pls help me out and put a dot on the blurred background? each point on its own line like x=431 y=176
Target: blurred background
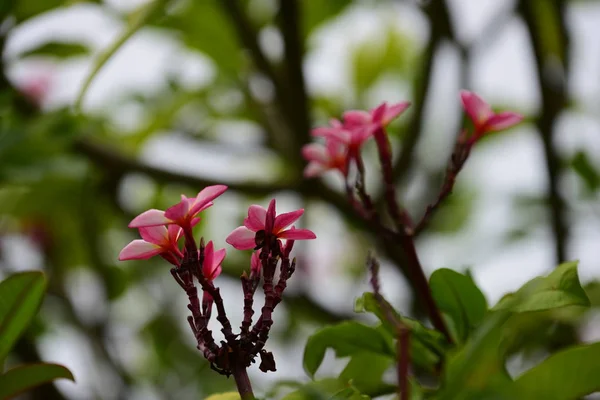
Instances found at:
x=200 y=92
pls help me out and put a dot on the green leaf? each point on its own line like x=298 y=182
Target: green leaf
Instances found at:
x=561 y=288
x=427 y=345
x=58 y=49
x=315 y=13
x=368 y=380
x=586 y=170
x=224 y=396
x=317 y=390
x=460 y=299
x=569 y=374
x=347 y=338
x=477 y=368
x=26 y=377
x=20 y=297
x=349 y=393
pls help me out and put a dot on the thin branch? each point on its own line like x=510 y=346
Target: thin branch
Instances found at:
x=552 y=78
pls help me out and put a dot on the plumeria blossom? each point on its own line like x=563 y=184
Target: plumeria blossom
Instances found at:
x=255 y=263
x=321 y=158
x=484 y=119
x=211 y=268
x=260 y=221
x=183 y=213
x=156 y=240
x=359 y=126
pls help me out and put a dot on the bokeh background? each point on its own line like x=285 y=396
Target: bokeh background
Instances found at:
x=224 y=91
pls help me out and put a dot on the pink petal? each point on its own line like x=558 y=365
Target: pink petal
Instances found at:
x=393 y=111
x=139 y=250
x=378 y=113
x=150 y=218
x=314 y=169
x=214 y=273
x=179 y=211
x=242 y=238
x=174 y=232
x=255 y=262
x=286 y=219
x=297 y=234
x=207 y=264
x=355 y=118
x=338 y=134
x=315 y=152
x=256 y=218
x=218 y=258
x=478 y=110
x=207 y=195
x=155 y=234
x=270 y=218
x=502 y=121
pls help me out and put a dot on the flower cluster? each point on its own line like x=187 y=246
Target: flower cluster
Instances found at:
x=272 y=237
x=344 y=139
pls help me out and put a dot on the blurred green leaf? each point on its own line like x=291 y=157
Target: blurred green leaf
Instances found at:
x=460 y=299
x=561 y=288
x=426 y=344
x=25 y=9
x=568 y=374
x=58 y=50
x=477 y=369
x=454 y=212
x=20 y=297
x=26 y=377
x=586 y=171
x=371 y=59
x=368 y=380
x=315 y=13
x=318 y=390
x=224 y=396
x=349 y=393
x=346 y=339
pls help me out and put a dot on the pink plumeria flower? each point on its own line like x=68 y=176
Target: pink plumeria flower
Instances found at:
x=484 y=119
x=260 y=220
x=211 y=269
x=359 y=126
x=322 y=158
x=255 y=263
x=156 y=240
x=183 y=213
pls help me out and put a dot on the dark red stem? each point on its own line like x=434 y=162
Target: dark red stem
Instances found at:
x=244 y=387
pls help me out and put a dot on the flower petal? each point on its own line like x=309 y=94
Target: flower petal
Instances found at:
x=218 y=258
x=393 y=111
x=241 y=238
x=338 y=134
x=355 y=118
x=503 y=120
x=297 y=234
x=207 y=195
x=207 y=264
x=314 y=169
x=174 y=232
x=315 y=152
x=286 y=219
x=155 y=234
x=256 y=218
x=139 y=250
x=476 y=108
x=270 y=218
x=255 y=262
x=151 y=217
x=179 y=211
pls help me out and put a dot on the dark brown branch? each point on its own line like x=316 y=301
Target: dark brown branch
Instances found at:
x=552 y=78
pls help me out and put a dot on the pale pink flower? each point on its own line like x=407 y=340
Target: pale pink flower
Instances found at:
x=484 y=119
x=359 y=126
x=211 y=267
x=322 y=158
x=261 y=220
x=255 y=263
x=183 y=213
x=156 y=240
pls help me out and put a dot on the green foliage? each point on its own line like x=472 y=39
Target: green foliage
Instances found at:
x=20 y=297
x=23 y=378
x=586 y=171
x=427 y=345
x=567 y=374
x=346 y=339
x=59 y=50
x=459 y=299
x=224 y=396
x=314 y=13
x=561 y=288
